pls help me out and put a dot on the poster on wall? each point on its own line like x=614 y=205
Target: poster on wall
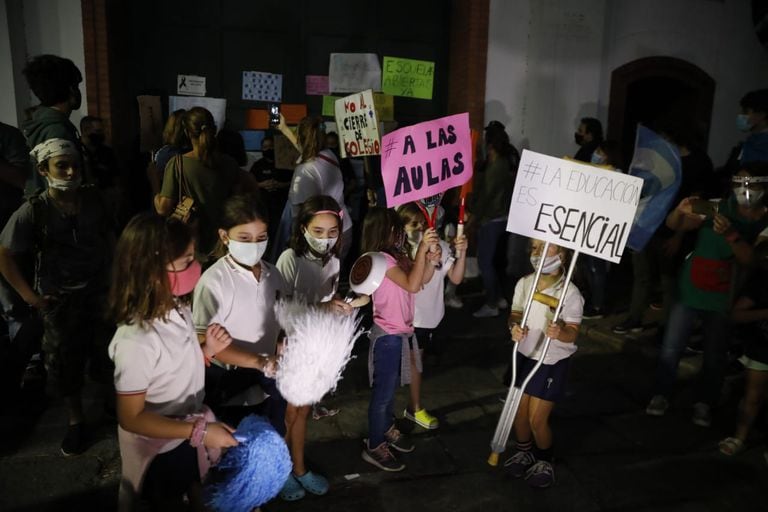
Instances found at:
x=190 y=85
x=574 y=205
x=150 y=123
x=258 y=86
x=216 y=106
x=358 y=126
x=385 y=106
x=329 y=105
x=354 y=72
x=426 y=159
x=317 y=85
x=408 y=77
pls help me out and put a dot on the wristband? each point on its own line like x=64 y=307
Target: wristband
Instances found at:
x=199 y=429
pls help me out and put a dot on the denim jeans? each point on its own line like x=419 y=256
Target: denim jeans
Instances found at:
x=679 y=326
x=387 y=356
x=488 y=238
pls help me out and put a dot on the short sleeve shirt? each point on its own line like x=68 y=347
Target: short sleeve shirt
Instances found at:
x=319 y=177
x=540 y=316
x=430 y=304
x=162 y=359
x=306 y=277
x=392 y=305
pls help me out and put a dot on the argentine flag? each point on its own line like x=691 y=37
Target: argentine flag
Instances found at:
x=657 y=162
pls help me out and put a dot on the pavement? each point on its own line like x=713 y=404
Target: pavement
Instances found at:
x=610 y=456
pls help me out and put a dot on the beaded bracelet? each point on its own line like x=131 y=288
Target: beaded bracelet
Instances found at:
x=199 y=429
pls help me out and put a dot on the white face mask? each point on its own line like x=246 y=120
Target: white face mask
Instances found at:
x=747 y=197
x=64 y=185
x=247 y=253
x=320 y=245
x=551 y=263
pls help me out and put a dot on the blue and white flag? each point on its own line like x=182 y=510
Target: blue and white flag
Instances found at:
x=657 y=162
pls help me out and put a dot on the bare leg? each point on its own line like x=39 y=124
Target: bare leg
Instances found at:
x=74 y=408
x=522 y=425
x=298 y=434
x=538 y=419
x=754 y=396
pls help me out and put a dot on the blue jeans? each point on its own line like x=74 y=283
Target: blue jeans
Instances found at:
x=679 y=326
x=387 y=355
x=488 y=238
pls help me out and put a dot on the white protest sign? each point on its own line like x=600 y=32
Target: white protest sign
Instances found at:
x=216 y=106
x=574 y=205
x=352 y=72
x=190 y=85
x=358 y=126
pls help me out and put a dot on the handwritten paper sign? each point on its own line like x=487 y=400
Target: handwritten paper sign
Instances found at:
x=358 y=126
x=425 y=159
x=190 y=85
x=317 y=85
x=216 y=106
x=260 y=86
x=353 y=72
x=329 y=105
x=574 y=205
x=385 y=106
x=150 y=123
x=408 y=77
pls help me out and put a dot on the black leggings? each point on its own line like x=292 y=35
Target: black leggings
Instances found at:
x=170 y=475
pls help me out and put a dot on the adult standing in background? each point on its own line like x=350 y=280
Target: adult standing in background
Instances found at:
x=175 y=142
x=589 y=135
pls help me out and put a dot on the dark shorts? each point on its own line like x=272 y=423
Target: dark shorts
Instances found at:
x=426 y=339
x=548 y=383
x=170 y=474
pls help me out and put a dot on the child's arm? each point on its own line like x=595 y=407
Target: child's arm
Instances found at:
x=456 y=274
x=10 y=271
x=565 y=332
x=413 y=281
x=744 y=314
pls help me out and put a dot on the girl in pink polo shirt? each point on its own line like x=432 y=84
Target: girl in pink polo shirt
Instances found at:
x=392 y=330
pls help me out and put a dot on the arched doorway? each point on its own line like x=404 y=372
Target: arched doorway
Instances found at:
x=657 y=90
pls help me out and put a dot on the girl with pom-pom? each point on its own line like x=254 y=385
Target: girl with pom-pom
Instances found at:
x=392 y=331
x=168 y=438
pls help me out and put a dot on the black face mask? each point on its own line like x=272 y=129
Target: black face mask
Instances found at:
x=97 y=139
x=269 y=154
x=578 y=138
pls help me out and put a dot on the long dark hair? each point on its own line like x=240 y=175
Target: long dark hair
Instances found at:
x=308 y=210
x=382 y=229
x=310 y=137
x=238 y=210
x=200 y=126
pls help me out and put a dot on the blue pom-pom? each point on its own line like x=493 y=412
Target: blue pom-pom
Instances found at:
x=253 y=472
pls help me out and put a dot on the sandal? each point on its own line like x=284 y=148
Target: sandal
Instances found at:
x=314 y=483
x=731 y=446
x=292 y=490
x=320 y=411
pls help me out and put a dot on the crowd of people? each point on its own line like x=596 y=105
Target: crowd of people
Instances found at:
x=172 y=310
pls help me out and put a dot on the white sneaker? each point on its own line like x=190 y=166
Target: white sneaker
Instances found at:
x=658 y=406
x=453 y=302
x=486 y=312
x=702 y=414
x=502 y=303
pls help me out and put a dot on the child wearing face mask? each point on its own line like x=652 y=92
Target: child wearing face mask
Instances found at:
x=67 y=229
x=168 y=438
x=239 y=292
x=533 y=458
x=429 y=305
x=310 y=269
x=723 y=240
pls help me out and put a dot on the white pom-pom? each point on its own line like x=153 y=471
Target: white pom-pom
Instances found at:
x=318 y=347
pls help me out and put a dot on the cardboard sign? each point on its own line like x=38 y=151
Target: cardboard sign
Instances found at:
x=358 y=126
x=353 y=72
x=408 y=77
x=285 y=153
x=425 y=159
x=216 y=106
x=150 y=123
x=329 y=105
x=293 y=114
x=385 y=106
x=260 y=86
x=190 y=85
x=574 y=205
x=317 y=85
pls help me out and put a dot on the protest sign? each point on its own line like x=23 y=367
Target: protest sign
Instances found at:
x=216 y=106
x=573 y=205
x=358 y=126
x=425 y=159
x=353 y=72
x=190 y=85
x=317 y=85
x=286 y=154
x=329 y=105
x=150 y=123
x=408 y=77
x=260 y=86
x=385 y=106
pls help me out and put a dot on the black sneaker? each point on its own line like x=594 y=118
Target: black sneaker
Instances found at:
x=627 y=326
x=382 y=457
x=74 y=441
x=398 y=440
x=591 y=313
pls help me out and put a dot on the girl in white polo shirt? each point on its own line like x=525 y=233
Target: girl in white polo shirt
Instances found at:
x=164 y=428
x=310 y=269
x=548 y=384
x=239 y=291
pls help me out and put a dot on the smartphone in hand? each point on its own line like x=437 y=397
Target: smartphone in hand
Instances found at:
x=274 y=114
x=704 y=207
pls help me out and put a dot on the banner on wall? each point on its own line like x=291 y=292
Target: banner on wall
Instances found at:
x=358 y=126
x=353 y=72
x=426 y=159
x=408 y=77
x=574 y=205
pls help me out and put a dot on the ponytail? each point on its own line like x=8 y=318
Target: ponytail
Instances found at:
x=207 y=145
x=310 y=135
x=200 y=126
